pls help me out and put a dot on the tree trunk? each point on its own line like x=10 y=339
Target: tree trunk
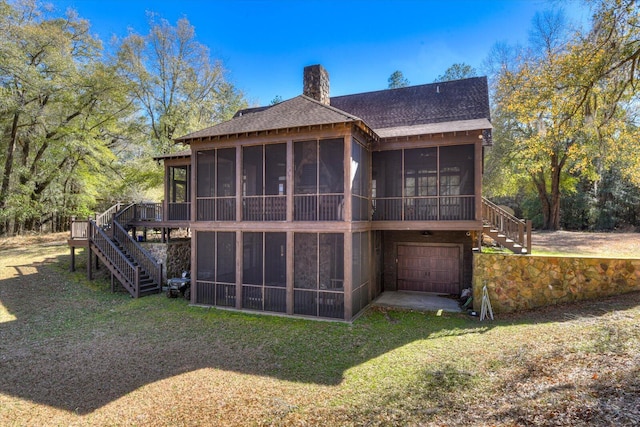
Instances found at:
x=554 y=217
x=545 y=204
x=8 y=167
x=550 y=199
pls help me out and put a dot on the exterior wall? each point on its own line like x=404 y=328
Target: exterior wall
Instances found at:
x=517 y=282
x=178 y=257
x=382 y=244
x=175 y=256
x=390 y=239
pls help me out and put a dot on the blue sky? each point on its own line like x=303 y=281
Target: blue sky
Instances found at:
x=265 y=44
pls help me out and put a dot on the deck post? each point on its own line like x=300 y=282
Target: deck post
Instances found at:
x=521 y=231
x=89 y=260
x=73 y=259
x=290 y=272
x=137 y=282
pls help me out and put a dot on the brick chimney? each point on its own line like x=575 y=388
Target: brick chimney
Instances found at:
x=316 y=83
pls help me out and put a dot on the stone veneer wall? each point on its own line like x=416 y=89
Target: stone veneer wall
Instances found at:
x=175 y=256
x=516 y=282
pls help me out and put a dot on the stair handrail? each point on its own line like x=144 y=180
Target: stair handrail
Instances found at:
x=104 y=218
x=126 y=214
x=514 y=228
x=79 y=226
x=127 y=273
x=137 y=252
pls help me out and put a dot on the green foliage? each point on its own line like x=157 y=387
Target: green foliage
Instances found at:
x=564 y=108
x=78 y=129
x=276 y=100
x=175 y=83
x=397 y=80
x=456 y=72
x=60 y=106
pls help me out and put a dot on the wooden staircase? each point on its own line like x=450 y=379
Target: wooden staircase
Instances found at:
x=128 y=262
x=508 y=231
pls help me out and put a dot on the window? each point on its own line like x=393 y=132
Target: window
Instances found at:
x=179 y=193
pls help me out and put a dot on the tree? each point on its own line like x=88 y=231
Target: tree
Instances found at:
x=397 y=80
x=175 y=83
x=456 y=72
x=276 y=100
x=566 y=104
x=58 y=104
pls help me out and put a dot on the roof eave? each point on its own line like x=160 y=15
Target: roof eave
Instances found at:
x=296 y=129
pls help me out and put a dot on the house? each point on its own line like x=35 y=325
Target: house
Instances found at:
x=315 y=205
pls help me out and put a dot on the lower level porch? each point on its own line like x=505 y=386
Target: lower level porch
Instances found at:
x=419 y=301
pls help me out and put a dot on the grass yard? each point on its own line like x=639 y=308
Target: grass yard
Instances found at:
x=74 y=354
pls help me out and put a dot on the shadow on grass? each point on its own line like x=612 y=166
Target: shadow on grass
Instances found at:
x=76 y=346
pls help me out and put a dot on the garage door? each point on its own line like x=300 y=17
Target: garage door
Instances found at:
x=429 y=269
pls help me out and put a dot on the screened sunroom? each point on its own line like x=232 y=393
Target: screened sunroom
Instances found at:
x=272 y=254
x=425 y=184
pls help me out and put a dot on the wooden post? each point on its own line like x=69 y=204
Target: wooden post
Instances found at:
x=521 y=232
x=89 y=260
x=137 y=282
x=290 y=186
x=239 y=269
x=194 y=268
x=73 y=249
x=348 y=275
x=290 y=271
x=238 y=199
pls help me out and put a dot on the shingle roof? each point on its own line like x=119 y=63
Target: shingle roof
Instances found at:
x=414 y=110
x=176 y=155
x=296 y=112
x=456 y=100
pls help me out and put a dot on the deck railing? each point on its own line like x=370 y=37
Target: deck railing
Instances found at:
x=178 y=211
x=216 y=208
x=318 y=207
x=264 y=208
x=79 y=229
x=139 y=212
x=512 y=227
x=104 y=219
x=431 y=208
x=127 y=273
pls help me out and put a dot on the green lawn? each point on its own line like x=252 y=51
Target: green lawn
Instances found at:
x=73 y=353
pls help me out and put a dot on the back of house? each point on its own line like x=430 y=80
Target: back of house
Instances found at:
x=316 y=205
